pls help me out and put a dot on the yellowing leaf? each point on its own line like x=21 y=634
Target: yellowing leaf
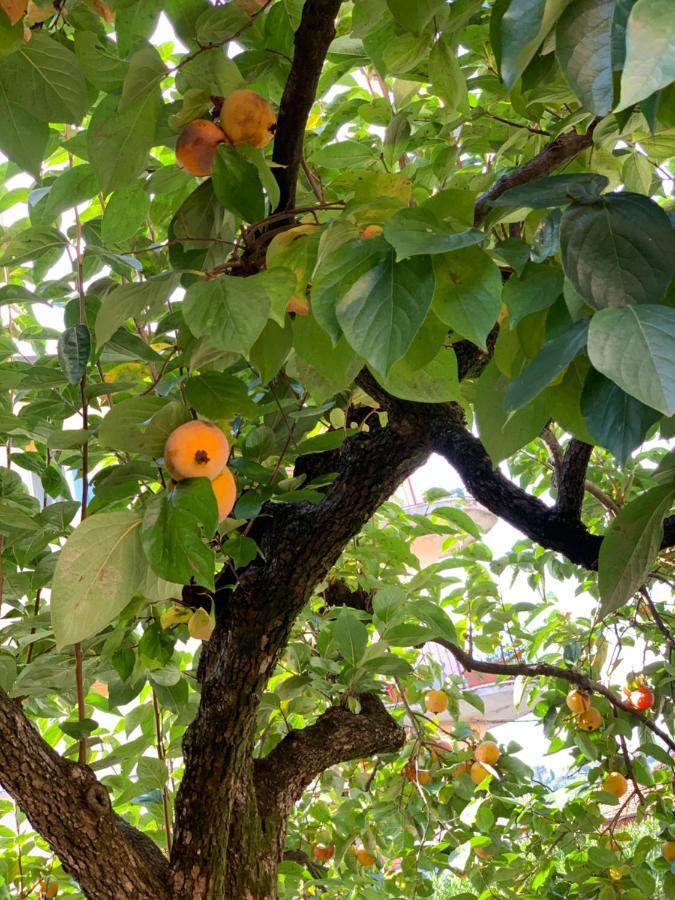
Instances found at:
x=201 y=625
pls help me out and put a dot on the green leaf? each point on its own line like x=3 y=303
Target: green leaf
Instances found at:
x=344 y=155
x=650 y=60
x=219 y=396
x=584 y=49
x=200 y=215
x=418 y=232
x=45 y=78
x=414 y=15
x=122 y=429
x=11 y=35
x=615 y=420
x=135 y=22
x=501 y=432
x=467 y=295
x=270 y=351
x=633 y=347
x=118 y=140
x=554 y=190
x=447 y=79
x=630 y=545
x=523 y=27
x=127 y=301
x=97 y=572
x=435 y=382
x=237 y=184
x=174 y=525
x=23 y=138
x=99 y=61
x=74 y=348
x=537 y=288
x=339 y=365
x=378 y=304
x=217 y=25
x=430 y=614
x=232 y=312
x=619 y=251
x=30 y=244
x=125 y=214
x=553 y=358
x=350 y=636
x=146 y=71
x=70 y=188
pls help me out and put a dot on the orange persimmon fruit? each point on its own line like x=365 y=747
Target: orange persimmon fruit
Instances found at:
x=196 y=449
x=197 y=144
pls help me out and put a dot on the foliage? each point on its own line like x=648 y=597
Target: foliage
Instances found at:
x=135 y=296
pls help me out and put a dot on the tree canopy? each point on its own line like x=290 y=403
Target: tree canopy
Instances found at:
x=455 y=239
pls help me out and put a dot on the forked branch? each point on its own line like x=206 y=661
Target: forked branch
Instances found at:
x=337 y=735
x=67 y=805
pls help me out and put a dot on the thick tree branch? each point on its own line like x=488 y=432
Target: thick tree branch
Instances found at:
x=337 y=735
x=550 y=671
x=572 y=480
x=559 y=151
x=71 y=809
x=312 y=39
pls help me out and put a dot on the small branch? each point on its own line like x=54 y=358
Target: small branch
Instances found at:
x=312 y=39
x=559 y=151
x=81 y=711
x=337 y=735
x=550 y=671
x=629 y=768
x=531 y=128
x=315 y=869
x=555 y=452
x=658 y=620
x=159 y=739
x=572 y=480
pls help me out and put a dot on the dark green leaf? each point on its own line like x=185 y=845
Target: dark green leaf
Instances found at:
x=417 y=232
x=633 y=347
x=619 y=251
x=118 y=141
x=584 y=49
x=232 y=312
x=173 y=531
x=650 y=61
x=553 y=358
x=219 y=396
x=237 y=184
x=551 y=191
x=630 y=545
x=615 y=420
x=45 y=78
x=537 y=288
x=74 y=348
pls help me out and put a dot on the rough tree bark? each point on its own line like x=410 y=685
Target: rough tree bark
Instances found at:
x=231 y=809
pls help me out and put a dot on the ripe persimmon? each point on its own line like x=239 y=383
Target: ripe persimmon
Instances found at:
x=487 y=752
x=225 y=489
x=615 y=783
x=247 y=118
x=578 y=701
x=364 y=858
x=478 y=773
x=298 y=305
x=590 y=719
x=668 y=851
x=370 y=232
x=436 y=701
x=197 y=144
x=323 y=852
x=196 y=449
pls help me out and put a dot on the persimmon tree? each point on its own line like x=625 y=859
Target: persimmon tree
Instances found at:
x=457 y=243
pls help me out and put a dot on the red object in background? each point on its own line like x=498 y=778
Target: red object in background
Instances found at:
x=476 y=679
